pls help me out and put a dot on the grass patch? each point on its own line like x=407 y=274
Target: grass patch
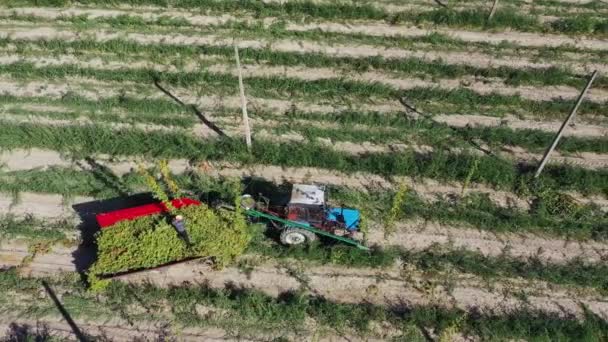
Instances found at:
x=582 y=24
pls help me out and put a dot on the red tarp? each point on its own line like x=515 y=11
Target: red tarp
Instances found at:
x=108 y=219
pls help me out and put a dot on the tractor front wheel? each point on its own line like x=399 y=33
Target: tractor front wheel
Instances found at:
x=297 y=236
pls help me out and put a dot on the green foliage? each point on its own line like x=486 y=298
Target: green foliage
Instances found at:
x=151 y=241
x=586 y=24
x=396 y=208
x=33 y=229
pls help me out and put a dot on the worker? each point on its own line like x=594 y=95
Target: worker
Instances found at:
x=180 y=226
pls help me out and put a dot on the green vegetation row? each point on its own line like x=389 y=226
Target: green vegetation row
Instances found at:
x=426 y=133
x=438 y=135
x=167 y=112
x=474 y=18
x=95 y=115
x=460 y=100
x=249 y=312
x=499 y=173
x=552 y=213
x=409 y=66
x=280 y=30
x=33 y=229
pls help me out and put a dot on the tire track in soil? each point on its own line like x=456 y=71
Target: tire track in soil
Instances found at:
x=105 y=90
x=478 y=85
x=370 y=28
x=339 y=50
x=384 y=287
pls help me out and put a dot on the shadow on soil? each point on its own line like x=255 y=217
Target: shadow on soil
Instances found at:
x=85 y=254
x=25 y=332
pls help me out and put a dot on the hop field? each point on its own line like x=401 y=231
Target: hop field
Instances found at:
x=431 y=119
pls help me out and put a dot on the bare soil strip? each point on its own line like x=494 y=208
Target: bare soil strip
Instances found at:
x=382 y=287
x=340 y=50
x=368 y=28
x=99 y=90
x=478 y=85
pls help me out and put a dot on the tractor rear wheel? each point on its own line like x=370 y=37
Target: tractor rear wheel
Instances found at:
x=297 y=236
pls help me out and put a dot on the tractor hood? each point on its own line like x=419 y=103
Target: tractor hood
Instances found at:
x=350 y=217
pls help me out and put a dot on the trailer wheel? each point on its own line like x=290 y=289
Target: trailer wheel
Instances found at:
x=296 y=236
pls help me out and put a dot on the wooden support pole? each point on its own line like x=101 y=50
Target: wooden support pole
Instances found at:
x=243 y=100
x=493 y=11
x=563 y=127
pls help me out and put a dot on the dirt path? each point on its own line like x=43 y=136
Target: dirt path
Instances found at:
x=479 y=85
x=340 y=50
x=378 y=286
x=99 y=90
x=378 y=28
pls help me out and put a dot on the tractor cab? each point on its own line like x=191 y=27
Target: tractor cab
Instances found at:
x=307 y=206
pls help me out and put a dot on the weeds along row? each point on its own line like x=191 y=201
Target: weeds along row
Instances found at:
x=494 y=171
x=94 y=115
x=552 y=213
x=244 y=312
x=382 y=130
x=458 y=100
x=434 y=261
x=505 y=18
x=227 y=26
x=212 y=65
x=314 y=40
x=433 y=44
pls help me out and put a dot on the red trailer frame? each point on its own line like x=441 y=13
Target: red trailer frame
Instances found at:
x=109 y=219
